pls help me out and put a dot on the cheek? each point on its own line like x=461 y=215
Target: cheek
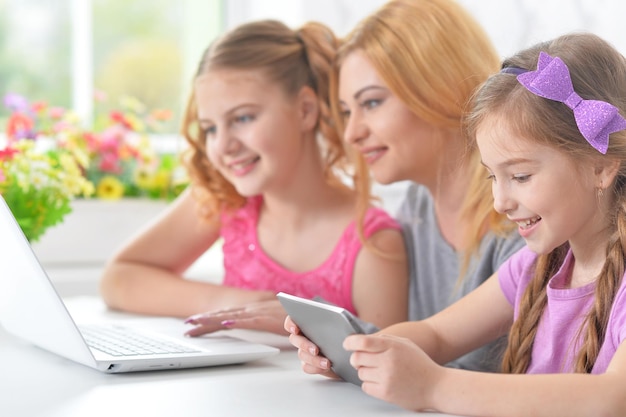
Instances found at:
x=211 y=153
x=557 y=196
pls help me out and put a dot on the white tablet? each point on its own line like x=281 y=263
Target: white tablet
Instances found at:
x=327 y=326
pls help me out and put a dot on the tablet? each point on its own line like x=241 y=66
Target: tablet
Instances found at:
x=327 y=326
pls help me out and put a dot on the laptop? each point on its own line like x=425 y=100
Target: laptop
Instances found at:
x=31 y=309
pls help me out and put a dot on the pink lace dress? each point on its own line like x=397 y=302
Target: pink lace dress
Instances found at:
x=246 y=265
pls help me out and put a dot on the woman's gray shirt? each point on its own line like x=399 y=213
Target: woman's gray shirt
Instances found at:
x=435 y=266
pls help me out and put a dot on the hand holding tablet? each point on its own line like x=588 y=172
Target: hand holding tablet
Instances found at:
x=327 y=326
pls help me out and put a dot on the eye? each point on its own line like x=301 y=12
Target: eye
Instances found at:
x=490 y=176
x=371 y=103
x=208 y=131
x=521 y=178
x=244 y=118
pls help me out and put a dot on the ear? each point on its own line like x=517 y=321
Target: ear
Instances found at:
x=308 y=108
x=605 y=172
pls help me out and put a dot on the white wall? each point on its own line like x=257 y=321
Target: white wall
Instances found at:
x=512 y=24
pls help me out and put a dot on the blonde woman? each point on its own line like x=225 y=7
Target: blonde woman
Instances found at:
x=403 y=79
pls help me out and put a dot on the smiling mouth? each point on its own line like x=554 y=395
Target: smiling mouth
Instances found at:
x=525 y=224
x=373 y=154
x=243 y=165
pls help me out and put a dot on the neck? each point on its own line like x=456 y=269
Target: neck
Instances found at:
x=450 y=177
x=304 y=193
x=589 y=257
x=302 y=203
x=448 y=189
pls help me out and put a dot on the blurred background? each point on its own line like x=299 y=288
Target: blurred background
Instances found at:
x=64 y=51
x=87 y=55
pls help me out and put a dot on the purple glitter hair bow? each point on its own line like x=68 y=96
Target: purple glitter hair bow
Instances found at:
x=595 y=119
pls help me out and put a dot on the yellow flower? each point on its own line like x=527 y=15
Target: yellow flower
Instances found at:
x=161 y=180
x=110 y=188
x=143 y=177
x=135 y=123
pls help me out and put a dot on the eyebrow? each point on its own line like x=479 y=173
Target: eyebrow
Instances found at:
x=365 y=89
x=228 y=113
x=510 y=162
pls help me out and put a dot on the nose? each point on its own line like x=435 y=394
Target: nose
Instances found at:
x=224 y=142
x=355 y=130
x=502 y=201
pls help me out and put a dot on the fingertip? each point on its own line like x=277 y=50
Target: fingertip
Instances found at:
x=194 y=319
x=347 y=342
x=290 y=326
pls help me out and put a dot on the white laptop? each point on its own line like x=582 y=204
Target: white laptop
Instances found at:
x=31 y=308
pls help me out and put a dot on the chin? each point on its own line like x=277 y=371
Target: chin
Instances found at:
x=540 y=249
x=385 y=178
x=248 y=191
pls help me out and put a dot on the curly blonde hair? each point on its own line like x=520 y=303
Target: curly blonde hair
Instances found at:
x=290 y=58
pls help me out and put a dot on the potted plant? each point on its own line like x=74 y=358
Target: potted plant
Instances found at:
x=51 y=160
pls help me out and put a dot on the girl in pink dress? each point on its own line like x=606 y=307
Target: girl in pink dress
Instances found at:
x=269 y=175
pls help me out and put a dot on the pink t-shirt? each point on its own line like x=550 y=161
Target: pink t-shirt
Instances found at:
x=553 y=350
x=248 y=266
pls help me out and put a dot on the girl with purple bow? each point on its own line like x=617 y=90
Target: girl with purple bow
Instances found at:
x=551 y=135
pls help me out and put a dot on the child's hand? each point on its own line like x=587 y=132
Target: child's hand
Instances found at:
x=308 y=352
x=393 y=369
x=267 y=316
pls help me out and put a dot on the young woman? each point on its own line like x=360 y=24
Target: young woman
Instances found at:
x=265 y=161
x=402 y=95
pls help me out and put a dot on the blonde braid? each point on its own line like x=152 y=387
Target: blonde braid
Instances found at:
x=595 y=324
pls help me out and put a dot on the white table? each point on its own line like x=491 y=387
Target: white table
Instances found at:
x=35 y=383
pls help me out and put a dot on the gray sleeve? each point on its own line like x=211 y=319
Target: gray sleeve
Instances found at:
x=506 y=247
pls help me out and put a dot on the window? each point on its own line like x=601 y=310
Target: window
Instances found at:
x=65 y=51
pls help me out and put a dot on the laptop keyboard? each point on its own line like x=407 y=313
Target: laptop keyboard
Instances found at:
x=119 y=341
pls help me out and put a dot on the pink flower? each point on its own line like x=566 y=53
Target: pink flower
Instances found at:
x=120 y=118
x=110 y=163
x=39 y=106
x=20 y=126
x=56 y=112
x=7 y=153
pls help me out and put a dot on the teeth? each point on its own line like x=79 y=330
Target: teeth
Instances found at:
x=242 y=165
x=528 y=222
x=372 y=153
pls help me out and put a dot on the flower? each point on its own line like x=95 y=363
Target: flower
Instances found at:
x=117 y=154
x=110 y=188
x=38 y=185
x=50 y=158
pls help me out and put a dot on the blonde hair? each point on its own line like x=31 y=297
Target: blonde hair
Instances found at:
x=598 y=71
x=290 y=58
x=432 y=54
